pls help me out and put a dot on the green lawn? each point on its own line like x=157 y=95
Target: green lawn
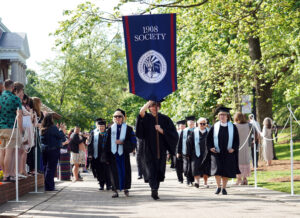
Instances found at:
x=264 y=177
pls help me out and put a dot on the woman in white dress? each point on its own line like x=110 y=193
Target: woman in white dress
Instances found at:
x=267 y=141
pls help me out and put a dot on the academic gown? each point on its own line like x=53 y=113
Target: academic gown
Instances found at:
x=187 y=167
x=99 y=168
x=154 y=168
x=200 y=165
x=120 y=176
x=224 y=164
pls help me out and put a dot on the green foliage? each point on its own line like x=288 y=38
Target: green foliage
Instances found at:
x=89 y=77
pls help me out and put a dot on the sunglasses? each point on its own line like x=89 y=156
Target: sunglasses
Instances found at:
x=202 y=124
x=118 y=116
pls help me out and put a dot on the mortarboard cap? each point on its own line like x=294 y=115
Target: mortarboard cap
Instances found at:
x=123 y=112
x=190 y=118
x=181 y=122
x=222 y=109
x=101 y=121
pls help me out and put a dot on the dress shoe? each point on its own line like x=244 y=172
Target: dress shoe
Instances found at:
x=196 y=185
x=218 y=191
x=154 y=194
x=115 y=195
x=101 y=188
x=140 y=177
x=108 y=188
x=126 y=192
x=224 y=192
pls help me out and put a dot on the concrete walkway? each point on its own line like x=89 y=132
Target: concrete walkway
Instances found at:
x=83 y=199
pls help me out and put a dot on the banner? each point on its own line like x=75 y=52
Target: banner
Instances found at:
x=151 y=55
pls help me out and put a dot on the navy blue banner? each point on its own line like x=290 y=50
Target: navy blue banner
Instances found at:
x=151 y=55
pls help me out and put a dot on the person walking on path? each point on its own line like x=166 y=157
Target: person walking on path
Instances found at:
x=267 y=142
x=120 y=143
x=198 y=153
x=158 y=137
x=244 y=130
x=96 y=148
x=223 y=143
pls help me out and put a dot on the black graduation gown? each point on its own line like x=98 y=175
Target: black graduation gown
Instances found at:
x=145 y=130
x=99 y=168
x=187 y=167
x=224 y=164
x=109 y=157
x=200 y=165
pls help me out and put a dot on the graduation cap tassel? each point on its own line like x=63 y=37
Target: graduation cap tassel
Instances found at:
x=157 y=135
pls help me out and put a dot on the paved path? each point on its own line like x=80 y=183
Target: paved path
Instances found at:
x=83 y=199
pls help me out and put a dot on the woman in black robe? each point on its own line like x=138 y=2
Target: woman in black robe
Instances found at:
x=118 y=146
x=198 y=154
x=223 y=143
x=154 y=154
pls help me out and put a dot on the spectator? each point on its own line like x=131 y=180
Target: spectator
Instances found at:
x=267 y=141
x=51 y=139
x=11 y=108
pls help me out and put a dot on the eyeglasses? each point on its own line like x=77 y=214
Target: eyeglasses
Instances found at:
x=202 y=124
x=118 y=116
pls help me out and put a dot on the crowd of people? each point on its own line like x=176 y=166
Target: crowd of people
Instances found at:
x=197 y=150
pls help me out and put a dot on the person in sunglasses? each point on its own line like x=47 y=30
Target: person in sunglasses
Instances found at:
x=120 y=143
x=158 y=138
x=223 y=143
x=198 y=153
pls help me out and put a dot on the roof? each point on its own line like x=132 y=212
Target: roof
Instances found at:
x=15 y=42
x=45 y=108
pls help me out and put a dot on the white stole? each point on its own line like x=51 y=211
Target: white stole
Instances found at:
x=216 y=135
x=114 y=138
x=196 y=141
x=96 y=139
x=184 y=138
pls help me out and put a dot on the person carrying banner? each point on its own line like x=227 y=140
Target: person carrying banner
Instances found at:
x=120 y=143
x=96 y=148
x=223 y=143
x=182 y=150
x=160 y=135
x=179 y=161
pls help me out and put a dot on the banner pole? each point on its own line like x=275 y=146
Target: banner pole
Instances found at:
x=292 y=156
x=17 y=167
x=157 y=134
x=35 y=163
x=255 y=165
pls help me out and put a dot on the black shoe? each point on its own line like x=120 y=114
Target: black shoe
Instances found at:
x=154 y=194
x=108 y=188
x=126 y=192
x=224 y=192
x=101 y=188
x=115 y=195
x=196 y=185
x=140 y=177
x=218 y=191
x=180 y=181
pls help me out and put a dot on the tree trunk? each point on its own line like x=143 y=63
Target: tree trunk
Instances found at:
x=263 y=89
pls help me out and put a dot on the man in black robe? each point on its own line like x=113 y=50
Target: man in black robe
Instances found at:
x=182 y=150
x=121 y=141
x=96 y=148
x=179 y=161
x=223 y=143
x=159 y=135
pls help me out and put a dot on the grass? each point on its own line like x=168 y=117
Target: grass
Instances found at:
x=282 y=148
x=264 y=179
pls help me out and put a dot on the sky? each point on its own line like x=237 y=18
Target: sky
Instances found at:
x=38 y=18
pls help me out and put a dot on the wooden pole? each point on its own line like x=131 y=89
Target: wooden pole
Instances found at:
x=157 y=134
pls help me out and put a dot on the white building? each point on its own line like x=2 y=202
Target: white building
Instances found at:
x=14 y=51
